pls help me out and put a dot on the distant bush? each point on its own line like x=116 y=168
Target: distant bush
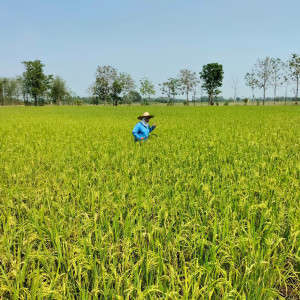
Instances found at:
x=78 y=102
x=144 y=102
x=245 y=100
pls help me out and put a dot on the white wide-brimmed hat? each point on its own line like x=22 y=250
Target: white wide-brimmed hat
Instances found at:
x=145 y=115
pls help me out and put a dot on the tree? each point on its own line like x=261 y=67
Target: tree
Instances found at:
x=234 y=85
x=128 y=85
x=127 y=82
x=294 y=68
x=94 y=100
x=22 y=89
x=251 y=82
x=78 y=102
x=246 y=100
x=201 y=90
x=276 y=74
x=3 y=88
x=116 y=90
x=58 y=91
x=188 y=81
x=286 y=80
x=102 y=88
x=147 y=88
x=262 y=75
x=132 y=96
x=10 y=90
x=3 y=82
x=35 y=81
x=194 y=96
x=171 y=89
x=212 y=76
x=109 y=85
x=216 y=93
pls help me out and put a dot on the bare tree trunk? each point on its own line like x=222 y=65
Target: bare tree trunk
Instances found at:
x=210 y=99
x=187 y=98
x=1 y=96
x=201 y=95
x=285 y=96
x=24 y=100
x=264 y=96
x=234 y=85
x=297 y=89
x=4 y=98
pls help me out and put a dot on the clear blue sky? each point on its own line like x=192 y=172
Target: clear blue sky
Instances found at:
x=146 y=38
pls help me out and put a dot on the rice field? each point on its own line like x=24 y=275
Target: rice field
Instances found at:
x=208 y=209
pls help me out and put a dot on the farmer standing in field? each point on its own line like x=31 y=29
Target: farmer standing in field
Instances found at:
x=142 y=129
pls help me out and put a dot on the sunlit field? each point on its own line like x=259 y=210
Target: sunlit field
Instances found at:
x=207 y=209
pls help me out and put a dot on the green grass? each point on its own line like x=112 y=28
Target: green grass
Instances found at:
x=207 y=210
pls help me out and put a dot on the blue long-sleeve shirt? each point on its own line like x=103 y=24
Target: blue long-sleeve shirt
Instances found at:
x=140 y=131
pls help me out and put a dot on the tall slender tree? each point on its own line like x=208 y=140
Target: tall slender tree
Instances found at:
x=194 y=96
x=251 y=81
x=276 y=74
x=201 y=90
x=294 y=68
x=116 y=90
x=188 y=81
x=286 y=80
x=22 y=89
x=171 y=88
x=146 y=89
x=234 y=85
x=3 y=83
x=262 y=75
x=128 y=85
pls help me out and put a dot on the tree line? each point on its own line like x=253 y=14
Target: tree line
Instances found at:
x=33 y=87
x=273 y=73
x=113 y=87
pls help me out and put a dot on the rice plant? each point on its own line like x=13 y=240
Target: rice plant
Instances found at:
x=207 y=210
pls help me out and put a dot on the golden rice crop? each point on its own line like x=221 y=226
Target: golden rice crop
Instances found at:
x=209 y=209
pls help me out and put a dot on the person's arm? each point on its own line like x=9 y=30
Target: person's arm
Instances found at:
x=152 y=128
x=135 y=132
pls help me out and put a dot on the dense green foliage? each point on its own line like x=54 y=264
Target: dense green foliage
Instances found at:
x=207 y=210
x=36 y=83
x=59 y=92
x=212 y=76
